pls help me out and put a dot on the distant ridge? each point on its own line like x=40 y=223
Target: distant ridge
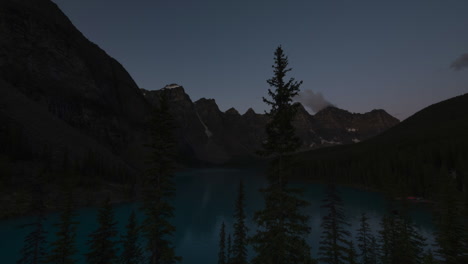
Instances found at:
x=415 y=156
x=234 y=136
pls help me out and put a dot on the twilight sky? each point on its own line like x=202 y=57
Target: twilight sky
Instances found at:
x=360 y=55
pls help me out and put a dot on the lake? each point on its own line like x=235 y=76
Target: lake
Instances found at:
x=205 y=198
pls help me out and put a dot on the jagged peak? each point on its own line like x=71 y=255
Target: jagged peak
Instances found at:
x=381 y=113
x=205 y=101
x=232 y=111
x=207 y=104
x=174 y=89
x=250 y=111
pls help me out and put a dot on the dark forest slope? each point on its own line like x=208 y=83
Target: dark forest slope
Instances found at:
x=416 y=156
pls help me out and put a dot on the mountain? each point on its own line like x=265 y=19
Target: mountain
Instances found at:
x=70 y=81
x=232 y=136
x=70 y=114
x=340 y=123
x=417 y=156
x=68 y=111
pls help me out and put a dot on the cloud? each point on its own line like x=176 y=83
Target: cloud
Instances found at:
x=460 y=63
x=312 y=100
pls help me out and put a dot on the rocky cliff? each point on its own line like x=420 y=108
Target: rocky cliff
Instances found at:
x=234 y=136
x=45 y=58
x=66 y=106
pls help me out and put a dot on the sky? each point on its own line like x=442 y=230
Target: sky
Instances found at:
x=396 y=55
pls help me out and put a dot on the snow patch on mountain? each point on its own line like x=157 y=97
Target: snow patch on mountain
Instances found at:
x=207 y=131
x=331 y=142
x=171 y=86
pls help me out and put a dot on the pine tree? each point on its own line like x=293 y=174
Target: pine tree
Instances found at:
x=239 y=248
x=374 y=251
x=429 y=258
x=334 y=239
x=102 y=244
x=282 y=228
x=410 y=243
x=159 y=187
x=352 y=256
x=132 y=251
x=365 y=240
x=222 y=245
x=449 y=227
x=400 y=241
x=33 y=251
x=64 y=248
x=388 y=238
x=281 y=136
x=229 y=250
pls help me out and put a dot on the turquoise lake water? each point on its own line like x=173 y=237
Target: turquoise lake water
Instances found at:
x=205 y=198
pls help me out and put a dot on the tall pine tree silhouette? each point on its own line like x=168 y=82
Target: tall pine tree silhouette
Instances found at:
x=282 y=227
x=334 y=244
x=229 y=250
x=64 y=247
x=132 y=252
x=399 y=240
x=239 y=248
x=352 y=256
x=102 y=244
x=222 y=245
x=366 y=241
x=159 y=189
x=452 y=246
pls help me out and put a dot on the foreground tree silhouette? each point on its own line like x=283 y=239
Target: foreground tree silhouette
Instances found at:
x=282 y=227
x=132 y=252
x=158 y=188
x=352 y=256
x=366 y=242
x=64 y=248
x=222 y=245
x=239 y=248
x=229 y=250
x=334 y=245
x=33 y=251
x=102 y=245
x=450 y=228
x=399 y=240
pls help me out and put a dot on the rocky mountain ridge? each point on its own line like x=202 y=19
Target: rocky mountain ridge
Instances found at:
x=233 y=136
x=72 y=115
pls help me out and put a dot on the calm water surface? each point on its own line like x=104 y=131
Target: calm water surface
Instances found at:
x=205 y=198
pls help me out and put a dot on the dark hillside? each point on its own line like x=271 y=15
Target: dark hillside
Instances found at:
x=68 y=111
x=415 y=157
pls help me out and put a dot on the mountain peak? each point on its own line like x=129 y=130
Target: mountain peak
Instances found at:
x=382 y=114
x=331 y=110
x=250 y=111
x=172 y=86
x=209 y=104
x=232 y=111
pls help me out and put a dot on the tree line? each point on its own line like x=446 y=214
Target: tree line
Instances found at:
x=396 y=241
x=103 y=243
